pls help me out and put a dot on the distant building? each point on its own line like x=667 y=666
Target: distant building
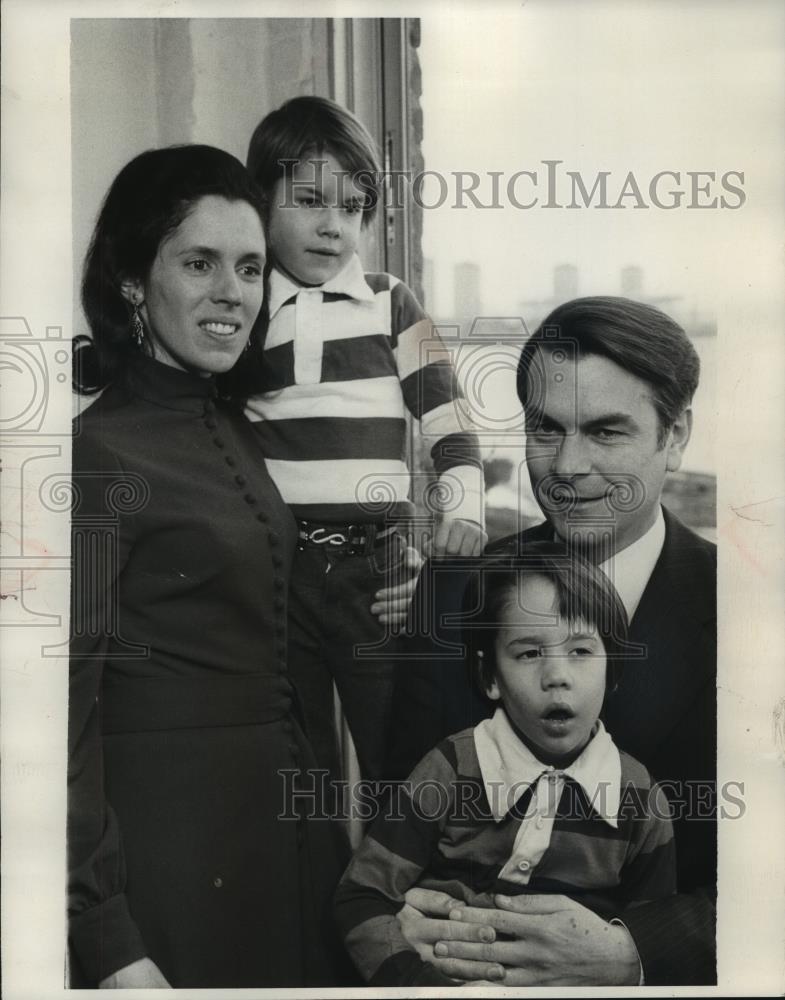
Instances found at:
x=468 y=304
x=632 y=282
x=565 y=287
x=428 y=291
x=565 y=282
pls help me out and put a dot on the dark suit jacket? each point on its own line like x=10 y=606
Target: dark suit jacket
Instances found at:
x=663 y=713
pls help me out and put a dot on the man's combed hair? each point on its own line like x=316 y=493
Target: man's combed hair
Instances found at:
x=308 y=127
x=584 y=594
x=638 y=338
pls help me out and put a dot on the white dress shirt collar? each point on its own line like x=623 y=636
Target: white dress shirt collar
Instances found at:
x=630 y=569
x=349 y=281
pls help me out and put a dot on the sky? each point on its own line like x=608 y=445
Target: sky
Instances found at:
x=613 y=86
x=608 y=86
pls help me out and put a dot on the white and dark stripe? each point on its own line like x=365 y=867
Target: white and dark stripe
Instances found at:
x=447 y=840
x=344 y=373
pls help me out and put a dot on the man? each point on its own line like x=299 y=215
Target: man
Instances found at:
x=606 y=385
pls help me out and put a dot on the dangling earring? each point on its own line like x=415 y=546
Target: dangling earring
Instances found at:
x=247 y=346
x=137 y=327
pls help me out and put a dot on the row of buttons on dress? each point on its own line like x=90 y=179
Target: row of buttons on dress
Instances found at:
x=279 y=581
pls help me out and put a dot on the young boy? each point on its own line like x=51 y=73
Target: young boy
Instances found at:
x=537 y=798
x=348 y=354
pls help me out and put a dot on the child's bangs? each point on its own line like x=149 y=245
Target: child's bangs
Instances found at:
x=585 y=597
x=580 y=603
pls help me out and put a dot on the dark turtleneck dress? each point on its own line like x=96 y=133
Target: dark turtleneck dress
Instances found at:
x=181 y=716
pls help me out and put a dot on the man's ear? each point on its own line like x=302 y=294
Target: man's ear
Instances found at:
x=132 y=291
x=678 y=439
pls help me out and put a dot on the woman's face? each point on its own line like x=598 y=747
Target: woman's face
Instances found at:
x=205 y=287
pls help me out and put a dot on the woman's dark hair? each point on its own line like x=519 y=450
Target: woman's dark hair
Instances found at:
x=148 y=200
x=305 y=127
x=584 y=594
x=638 y=338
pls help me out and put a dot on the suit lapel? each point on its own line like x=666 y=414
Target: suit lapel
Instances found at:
x=675 y=622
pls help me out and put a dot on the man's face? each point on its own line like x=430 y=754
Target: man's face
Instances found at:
x=592 y=448
x=315 y=220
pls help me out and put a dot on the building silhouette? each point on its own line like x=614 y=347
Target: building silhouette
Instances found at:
x=428 y=290
x=632 y=282
x=565 y=282
x=466 y=297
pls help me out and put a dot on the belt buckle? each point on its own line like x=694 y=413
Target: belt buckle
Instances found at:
x=358 y=536
x=321 y=536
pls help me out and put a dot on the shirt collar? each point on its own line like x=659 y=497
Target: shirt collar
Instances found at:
x=630 y=569
x=349 y=281
x=508 y=767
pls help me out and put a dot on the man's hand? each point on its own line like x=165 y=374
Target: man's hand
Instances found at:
x=458 y=537
x=142 y=974
x=391 y=605
x=556 y=942
x=424 y=919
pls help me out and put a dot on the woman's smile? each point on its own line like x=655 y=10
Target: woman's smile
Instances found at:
x=205 y=287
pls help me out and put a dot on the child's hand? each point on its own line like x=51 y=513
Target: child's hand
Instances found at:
x=459 y=537
x=391 y=605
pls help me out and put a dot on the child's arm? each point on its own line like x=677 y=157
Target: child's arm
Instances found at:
x=674 y=933
x=432 y=395
x=391 y=860
x=649 y=871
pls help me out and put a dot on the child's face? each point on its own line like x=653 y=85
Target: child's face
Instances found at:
x=314 y=220
x=550 y=674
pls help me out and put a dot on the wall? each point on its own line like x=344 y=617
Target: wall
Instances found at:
x=137 y=83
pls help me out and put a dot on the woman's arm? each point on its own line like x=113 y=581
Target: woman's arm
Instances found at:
x=103 y=934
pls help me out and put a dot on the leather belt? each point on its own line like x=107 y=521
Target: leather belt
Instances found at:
x=350 y=539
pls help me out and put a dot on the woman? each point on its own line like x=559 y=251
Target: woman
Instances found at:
x=184 y=746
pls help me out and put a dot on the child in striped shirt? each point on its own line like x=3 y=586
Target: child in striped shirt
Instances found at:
x=536 y=799
x=348 y=354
